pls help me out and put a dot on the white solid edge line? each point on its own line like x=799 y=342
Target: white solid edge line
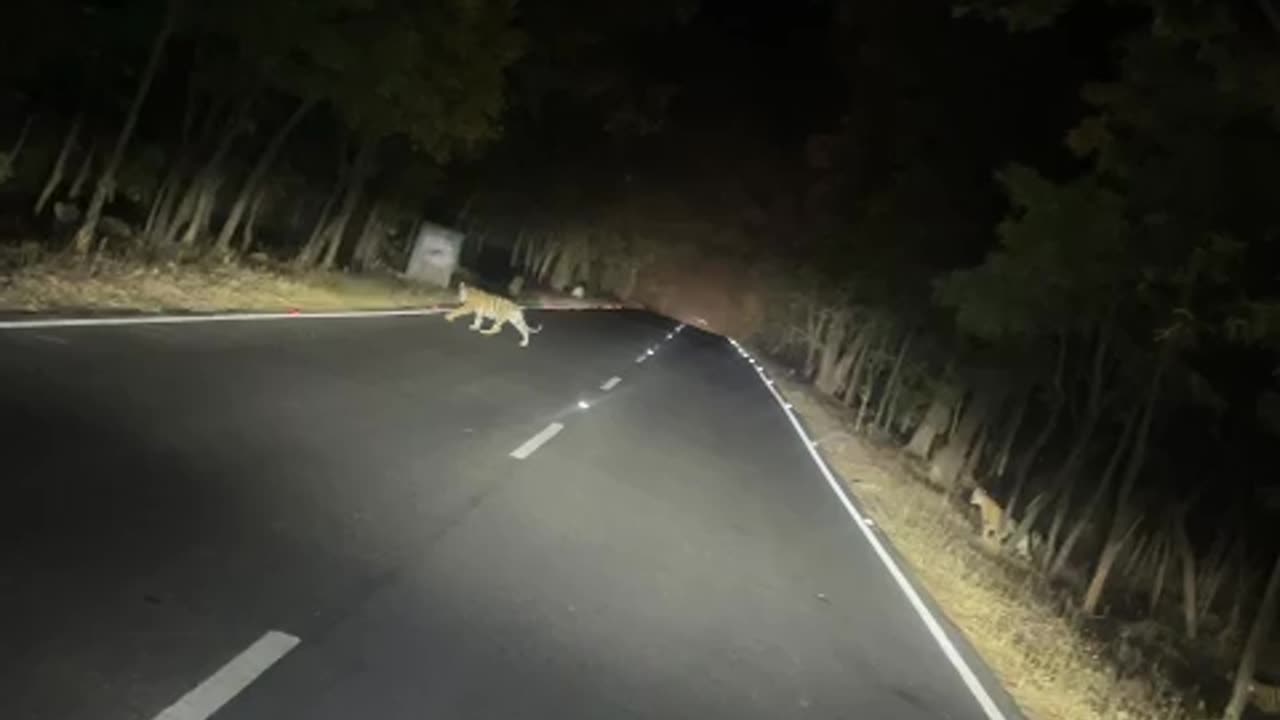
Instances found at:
x=611 y=383
x=219 y=317
x=935 y=628
x=218 y=689
x=532 y=444
x=227 y=317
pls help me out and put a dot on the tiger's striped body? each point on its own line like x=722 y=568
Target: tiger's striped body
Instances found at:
x=992 y=516
x=492 y=307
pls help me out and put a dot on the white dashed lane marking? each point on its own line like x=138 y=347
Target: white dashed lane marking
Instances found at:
x=219 y=688
x=531 y=445
x=611 y=383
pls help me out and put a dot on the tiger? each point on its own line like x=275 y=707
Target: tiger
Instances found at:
x=493 y=307
x=994 y=532
x=1265 y=697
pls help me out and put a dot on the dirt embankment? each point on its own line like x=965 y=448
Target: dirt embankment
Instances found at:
x=109 y=285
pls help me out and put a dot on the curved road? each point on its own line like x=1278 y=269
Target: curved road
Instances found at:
x=323 y=519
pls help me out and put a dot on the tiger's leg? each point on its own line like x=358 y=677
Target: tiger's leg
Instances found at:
x=495 y=328
x=455 y=314
x=479 y=321
x=523 y=329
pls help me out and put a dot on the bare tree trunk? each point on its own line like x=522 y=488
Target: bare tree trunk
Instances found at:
x=1106 y=562
x=935 y=418
x=295 y=217
x=367 y=247
x=1011 y=433
x=206 y=192
x=550 y=249
x=564 y=271
x=949 y=461
x=1242 y=686
x=359 y=174
x=82 y=175
x=9 y=161
x=882 y=413
x=1136 y=461
x=956 y=411
x=21 y=142
x=895 y=409
x=1067 y=483
x=1163 y=554
x=1243 y=588
x=158 y=204
x=854 y=362
x=813 y=332
x=1067 y=476
x=209 y=179
x=833 y=344
x=1032 y=452
x=250 y=187
x=1190 y=608
x=1135 y=562
x=176 y=221
x=83 y=240
x=161 y=220
x=1214 y=573
x=1116 y=535
x=518 y=252
x=246 y=237
x=875 y=361
x=1060 y=556
x=59 y=165
x=171 y=215
x=1025 y=525
x=311 y=249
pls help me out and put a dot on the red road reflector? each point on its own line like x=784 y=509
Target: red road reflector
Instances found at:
x=294 y=311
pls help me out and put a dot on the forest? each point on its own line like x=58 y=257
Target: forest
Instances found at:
x=1029 y=242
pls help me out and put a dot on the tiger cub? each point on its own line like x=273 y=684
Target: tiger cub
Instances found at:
x=1265 y=697
x=991 y=514
x=493 y=307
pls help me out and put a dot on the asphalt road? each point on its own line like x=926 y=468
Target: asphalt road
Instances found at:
x=171 y=493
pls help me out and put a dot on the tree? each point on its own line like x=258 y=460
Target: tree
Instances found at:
x=85 y=236
x=1258 y=321
x=432 y=72
x=59 y=165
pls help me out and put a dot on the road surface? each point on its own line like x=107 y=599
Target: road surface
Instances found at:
x=323 y=519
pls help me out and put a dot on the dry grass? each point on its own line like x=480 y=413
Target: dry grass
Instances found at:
x=1052 y=670
x=115 y=285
